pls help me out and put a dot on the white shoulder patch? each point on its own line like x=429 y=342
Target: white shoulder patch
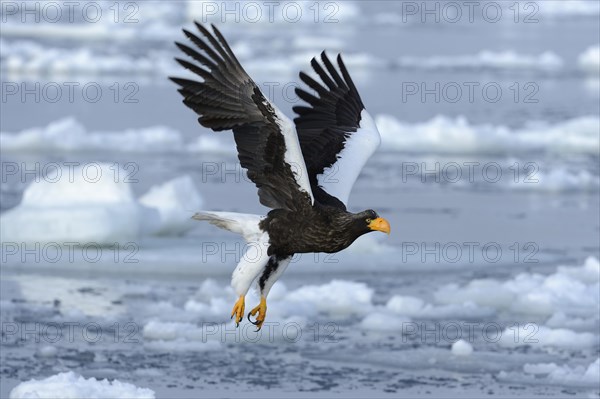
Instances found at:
x=293 y=154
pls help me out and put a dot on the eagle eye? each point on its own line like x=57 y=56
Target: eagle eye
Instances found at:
x=368 y=220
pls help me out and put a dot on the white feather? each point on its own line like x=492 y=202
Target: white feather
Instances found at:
x=255 y=256
x=293 y=153
x=251 y=265
x=338 y=179
x=240 y=223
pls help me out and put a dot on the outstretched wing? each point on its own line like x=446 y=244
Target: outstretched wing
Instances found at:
x=228 y=99
x=336 y=133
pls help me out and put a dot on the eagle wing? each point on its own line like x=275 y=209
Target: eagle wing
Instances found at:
x=228 y=99
x=337 y=135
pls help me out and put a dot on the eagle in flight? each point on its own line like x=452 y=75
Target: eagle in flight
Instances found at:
x=304 y=171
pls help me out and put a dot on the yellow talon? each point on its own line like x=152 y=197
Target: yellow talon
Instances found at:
x=261 y=309
x=238 y=310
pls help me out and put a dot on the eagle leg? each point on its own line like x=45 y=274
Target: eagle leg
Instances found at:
x=261 y=312
x=238 y=310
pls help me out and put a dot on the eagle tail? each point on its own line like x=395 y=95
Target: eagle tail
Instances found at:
x=245 y=224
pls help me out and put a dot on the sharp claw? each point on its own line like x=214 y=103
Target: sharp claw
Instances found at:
x=256 y=323
x=250 y=320
x=238 y=311
x=260 y=312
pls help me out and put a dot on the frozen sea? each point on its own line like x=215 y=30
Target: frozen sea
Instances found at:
x=489 y=284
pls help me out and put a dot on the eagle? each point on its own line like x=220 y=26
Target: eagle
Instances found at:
x=304 y=170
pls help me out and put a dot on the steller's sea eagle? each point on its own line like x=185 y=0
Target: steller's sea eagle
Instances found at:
x=288 y=162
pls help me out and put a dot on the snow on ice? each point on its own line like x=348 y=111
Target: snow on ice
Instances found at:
x=60 y=209
x=70 y=385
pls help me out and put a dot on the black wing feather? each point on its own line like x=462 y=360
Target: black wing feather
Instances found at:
x=328 y=122
x=228 y=99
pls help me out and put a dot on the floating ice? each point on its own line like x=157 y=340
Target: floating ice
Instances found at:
x=337 y=298
x=589 y=61
x=73 y=386
x=462 y=348
x=91 y=206
x=456 y=136
x=382 y=321
x=93 y=203
x=23 y=57
x=417 y=308
x=439 y=135
x=574 y=376
x=531 y=334
x=68 y=134
x=572 y=291
x=176 y=201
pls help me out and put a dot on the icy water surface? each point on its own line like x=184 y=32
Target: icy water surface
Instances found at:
x=503 y=255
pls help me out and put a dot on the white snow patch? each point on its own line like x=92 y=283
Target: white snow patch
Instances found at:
x=456 y=136
x=95 y=204
x=417 y=308
x=573 y=291
x=69 y=135
x=574 y=376
x=211 y=144
x=539 y=336
x=337 y=298
x=384 y=321
x=462 y=348
x=176 y=201
x=589 y=60
x=73 y=386
x=91 y=206
x=27 y=58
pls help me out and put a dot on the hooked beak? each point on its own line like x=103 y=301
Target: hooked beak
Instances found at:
x=380 y=224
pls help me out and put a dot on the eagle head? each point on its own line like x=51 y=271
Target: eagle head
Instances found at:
x=368 y=221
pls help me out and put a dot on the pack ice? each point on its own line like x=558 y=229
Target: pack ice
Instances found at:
x=95 y=204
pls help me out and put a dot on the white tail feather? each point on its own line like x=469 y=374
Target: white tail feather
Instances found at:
x=240 y=223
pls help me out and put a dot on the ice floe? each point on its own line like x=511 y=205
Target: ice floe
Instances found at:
x=25 y=58
x=70 y=385
x=589 y=61
x=462 y=348
x=70 y=135
x=572 y=290
x=441 y=134
x=448 y=135
x=94 y=203
x=571 y=375
x=167 y=199
x=530 y=334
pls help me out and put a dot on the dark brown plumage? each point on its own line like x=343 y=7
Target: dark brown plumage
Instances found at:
x=287 y=163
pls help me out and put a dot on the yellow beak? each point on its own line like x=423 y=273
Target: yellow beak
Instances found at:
x=380 y=224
